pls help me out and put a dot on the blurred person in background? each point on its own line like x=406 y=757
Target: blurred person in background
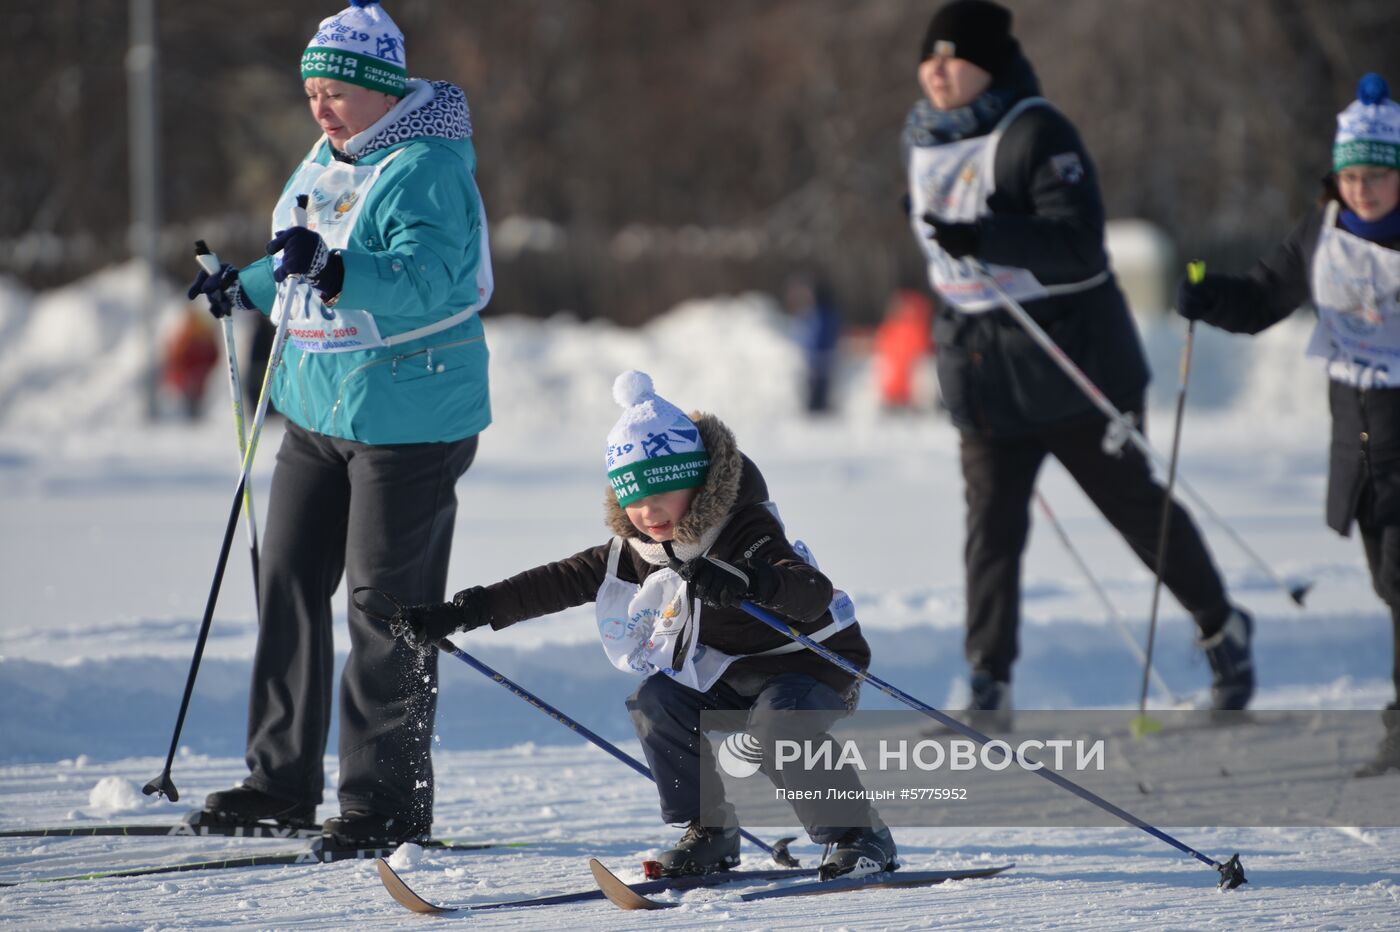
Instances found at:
x=902 y=341
x=384 y=387
x=1343 y=256
x=817 y=326
x=189 y=355
x=996 y=174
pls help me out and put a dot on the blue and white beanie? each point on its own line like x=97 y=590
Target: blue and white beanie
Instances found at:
x=1368 y=131
x=653 y=447
x=359 y=45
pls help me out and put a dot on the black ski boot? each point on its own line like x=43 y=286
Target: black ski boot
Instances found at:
x=701 y=850
x=1231 y=662
x=358 y=829
x=990 y=708
x=1387 y=757
x=244 y=805
x=988 y=711
x=860 y=851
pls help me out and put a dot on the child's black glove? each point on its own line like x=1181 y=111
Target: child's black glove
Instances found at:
x=424 y=625
x=724 y=585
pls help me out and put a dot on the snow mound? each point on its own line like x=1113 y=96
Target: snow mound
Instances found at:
x=115 y=794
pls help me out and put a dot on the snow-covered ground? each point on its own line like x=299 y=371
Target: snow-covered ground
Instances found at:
x=109 y=528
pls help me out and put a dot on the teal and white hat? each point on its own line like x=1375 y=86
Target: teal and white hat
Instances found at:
x=1368 y=131
x=359 y=45
x=653 y=447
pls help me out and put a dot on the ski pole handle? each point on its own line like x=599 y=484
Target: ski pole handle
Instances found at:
x=207 y=260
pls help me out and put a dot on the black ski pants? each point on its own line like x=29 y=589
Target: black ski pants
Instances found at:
x=1382 y=546
x=380 y=516
x=999 y=477
x=666 y=716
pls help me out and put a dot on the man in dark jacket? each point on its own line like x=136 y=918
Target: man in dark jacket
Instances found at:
x=999 y=176
x=682 y=492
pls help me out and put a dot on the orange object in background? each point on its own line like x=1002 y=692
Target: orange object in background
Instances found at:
x=903 y=338
x=189 y=355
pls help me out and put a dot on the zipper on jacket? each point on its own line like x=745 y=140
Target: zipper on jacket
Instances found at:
x=393 y=370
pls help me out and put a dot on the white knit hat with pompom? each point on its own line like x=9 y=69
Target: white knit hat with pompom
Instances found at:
x=653 y=447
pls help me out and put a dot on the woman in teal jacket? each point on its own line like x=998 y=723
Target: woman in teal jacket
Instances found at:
x=384 y=386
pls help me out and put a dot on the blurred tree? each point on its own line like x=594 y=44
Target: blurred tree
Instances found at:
x=648 y=152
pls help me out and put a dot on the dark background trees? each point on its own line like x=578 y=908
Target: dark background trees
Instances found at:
x=634 y=152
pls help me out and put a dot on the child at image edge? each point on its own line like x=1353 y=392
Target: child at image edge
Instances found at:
x=682 y=480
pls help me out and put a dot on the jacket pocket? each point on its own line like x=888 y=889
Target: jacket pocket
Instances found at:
x=434 y=394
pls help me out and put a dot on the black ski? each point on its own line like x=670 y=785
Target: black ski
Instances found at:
x=406 y=897
x=173 y=830
x=626 y=896
x=316 y=854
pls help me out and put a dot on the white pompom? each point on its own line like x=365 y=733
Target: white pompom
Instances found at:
x=632 y=388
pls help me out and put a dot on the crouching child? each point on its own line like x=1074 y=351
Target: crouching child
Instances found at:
x=694 y=536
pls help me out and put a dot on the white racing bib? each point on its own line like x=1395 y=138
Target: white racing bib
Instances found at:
x=645 y=628
x=1356 y=287
x=336 y=193
x=953 y=182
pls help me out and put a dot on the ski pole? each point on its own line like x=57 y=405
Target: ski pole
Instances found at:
x=1121 y=428
x=162 y=784
x=1118 y=624
x=778 y=850
x=210 y=263
x=1142 y=724
x=1231 y=871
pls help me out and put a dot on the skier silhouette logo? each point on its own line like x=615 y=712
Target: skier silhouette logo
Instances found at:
x=660 y=444
x=657 y=445
x=387 y=48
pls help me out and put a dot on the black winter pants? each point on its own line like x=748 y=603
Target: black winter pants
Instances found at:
x=999 y=475
x=666 y=716
x=380 y=516
x=1382 y=545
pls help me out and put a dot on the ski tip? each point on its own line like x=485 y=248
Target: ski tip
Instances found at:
x=618 y=893
x=401 y=892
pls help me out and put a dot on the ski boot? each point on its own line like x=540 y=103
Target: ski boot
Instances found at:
x=359 y=829
x=701 y=850
x=989 y=710
x=1231 y=663
x=244 y=805
x=1387 y=757
x=860 y=851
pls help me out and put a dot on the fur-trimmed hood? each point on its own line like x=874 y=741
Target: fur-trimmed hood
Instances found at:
x=733 y=481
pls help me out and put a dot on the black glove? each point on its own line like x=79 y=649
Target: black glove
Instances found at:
x=424 y=625
x=1195 y=301
x=304 y=253
x=956 y=239
x=222 y=289
x=724 y=585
